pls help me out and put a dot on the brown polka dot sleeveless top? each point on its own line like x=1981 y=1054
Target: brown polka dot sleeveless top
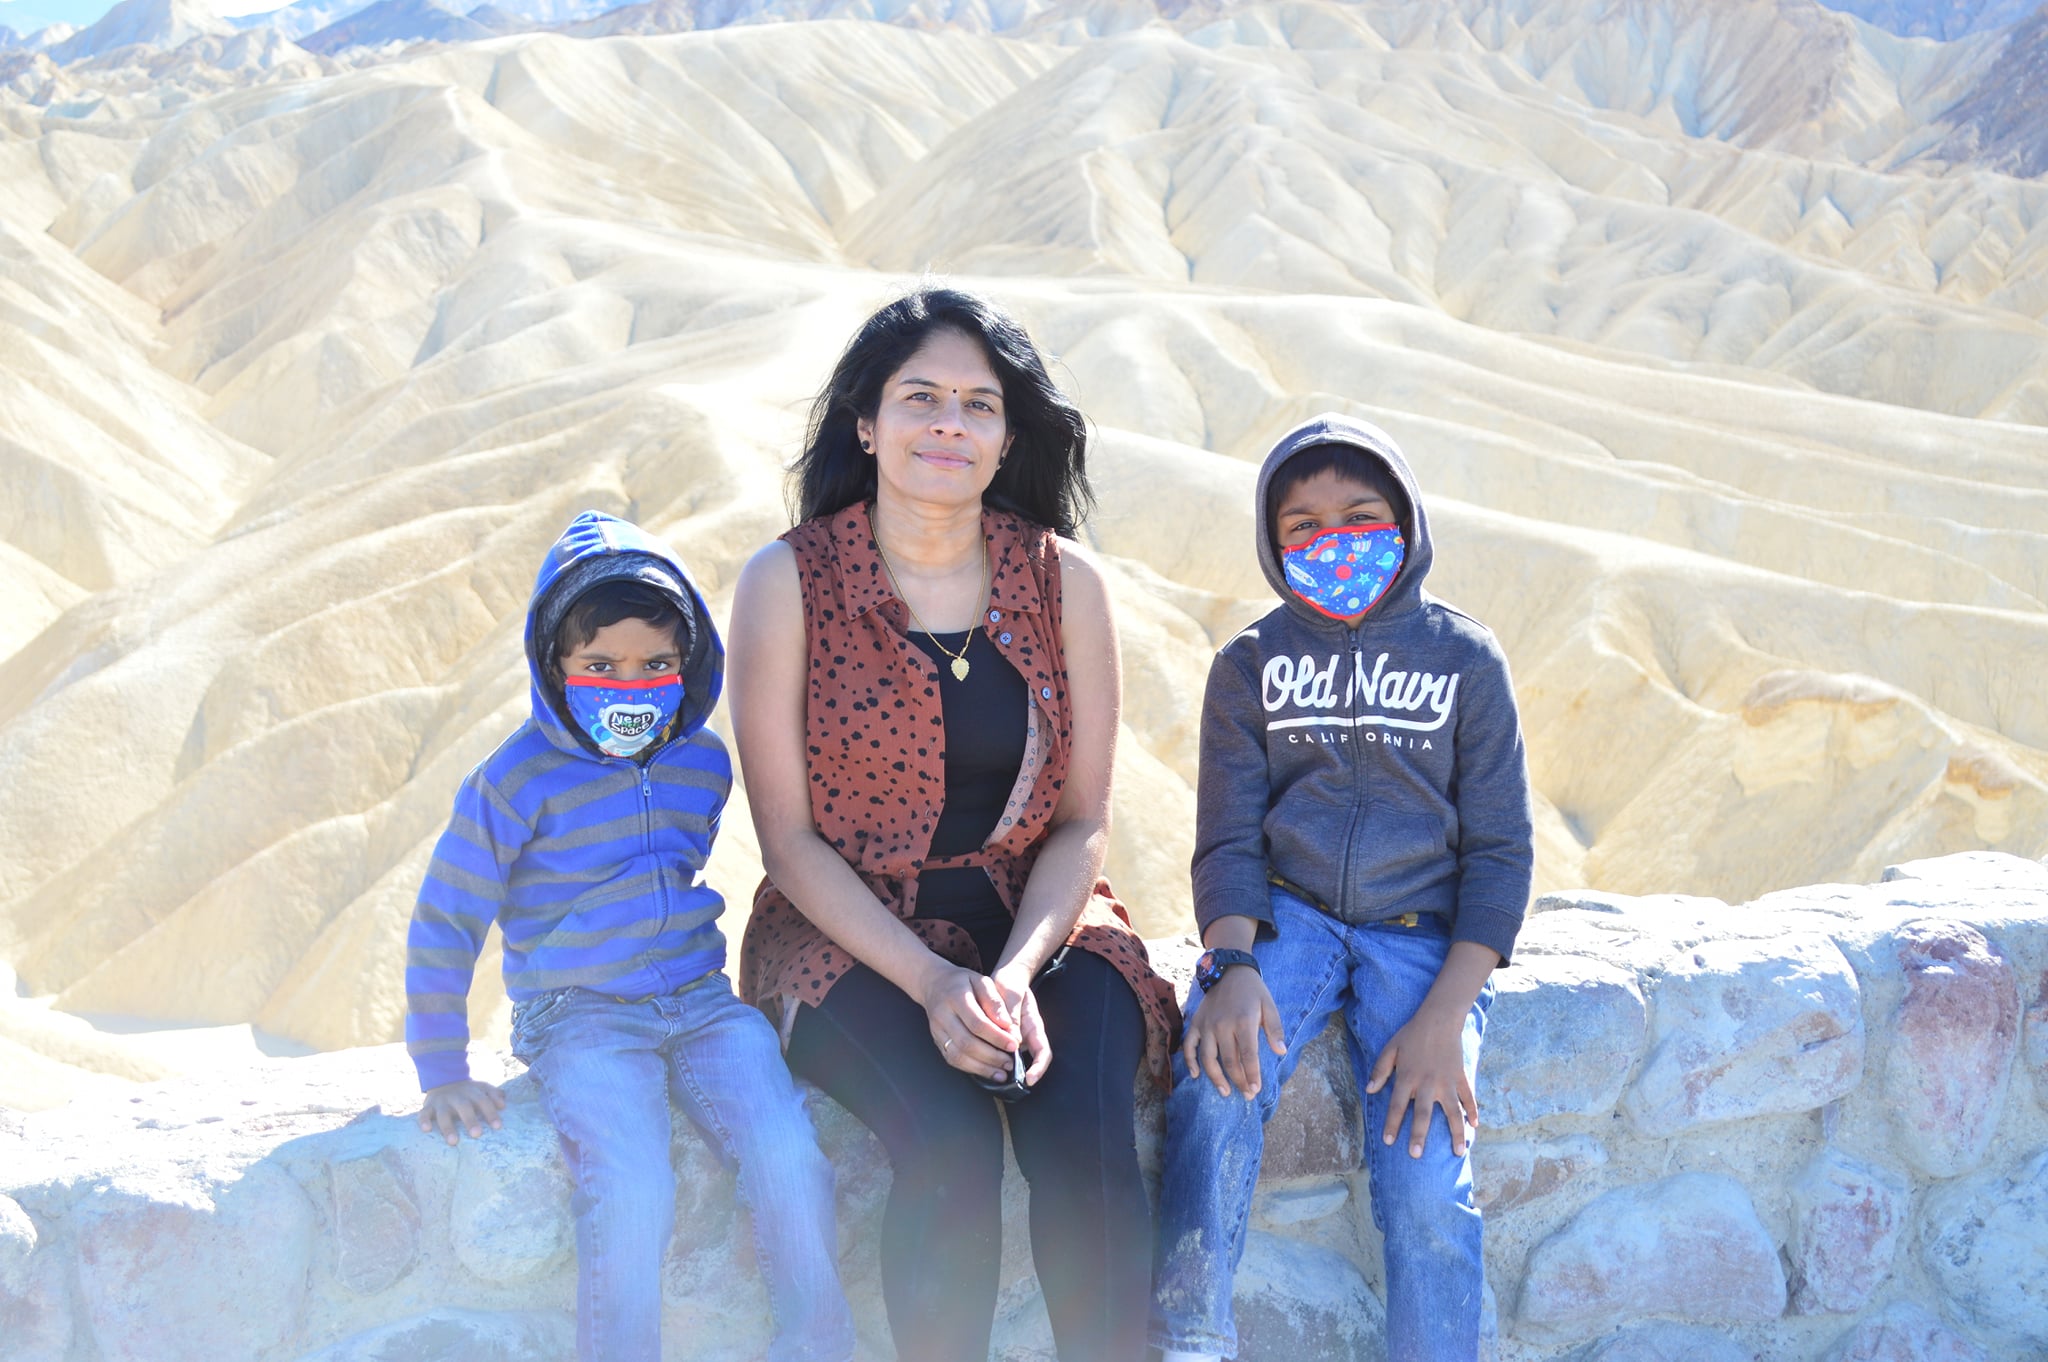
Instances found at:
x=876 y=740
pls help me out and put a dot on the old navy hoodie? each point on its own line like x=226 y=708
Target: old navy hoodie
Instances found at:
x=1377 y=768
x=591 y=865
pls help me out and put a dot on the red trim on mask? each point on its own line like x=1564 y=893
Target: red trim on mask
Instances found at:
x=613 y=683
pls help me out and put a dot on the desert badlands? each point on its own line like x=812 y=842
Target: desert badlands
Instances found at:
x=1716 y=329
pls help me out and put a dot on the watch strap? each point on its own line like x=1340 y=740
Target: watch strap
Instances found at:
x=1216 y=960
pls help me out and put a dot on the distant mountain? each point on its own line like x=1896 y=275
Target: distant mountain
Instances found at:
x=296 y=21
x=9 y=39
x=972 y=16
x=2002 y=124
x=396 y=21
x=1944 y=19
x=545 y=13
x=498 y=20
x=152 y=23
x=309 y=17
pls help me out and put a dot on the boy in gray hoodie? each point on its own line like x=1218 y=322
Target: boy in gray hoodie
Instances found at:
x=1362 y=848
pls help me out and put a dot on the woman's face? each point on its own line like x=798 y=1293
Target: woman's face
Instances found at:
x=939 y=429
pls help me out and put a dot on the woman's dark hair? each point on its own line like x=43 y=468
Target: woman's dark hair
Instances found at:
x=609 y=602
x=1045 y=476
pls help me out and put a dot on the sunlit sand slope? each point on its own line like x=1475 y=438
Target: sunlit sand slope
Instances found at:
x=1730 y=409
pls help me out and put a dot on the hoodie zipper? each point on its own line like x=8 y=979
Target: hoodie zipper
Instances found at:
x=1351 y=748
x=647 y=843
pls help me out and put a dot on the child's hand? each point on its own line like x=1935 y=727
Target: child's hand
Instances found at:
x=1222 y=1037
x=468 y=1102
x=1426 y=1061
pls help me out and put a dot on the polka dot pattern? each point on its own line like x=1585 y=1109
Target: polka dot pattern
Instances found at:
x=876 y=742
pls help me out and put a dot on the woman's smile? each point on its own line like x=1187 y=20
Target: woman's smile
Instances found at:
x=940 y=415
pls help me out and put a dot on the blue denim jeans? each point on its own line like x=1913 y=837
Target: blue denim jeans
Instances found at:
x=1375 y=977
x=607 y=1070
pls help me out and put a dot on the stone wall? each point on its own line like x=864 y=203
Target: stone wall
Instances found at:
x=1808 y=1127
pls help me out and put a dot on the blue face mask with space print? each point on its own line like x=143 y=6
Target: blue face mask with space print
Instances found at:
x=623 y=717
x=1344 y=572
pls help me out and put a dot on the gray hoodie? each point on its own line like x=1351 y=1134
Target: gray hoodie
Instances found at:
x=1378 y=768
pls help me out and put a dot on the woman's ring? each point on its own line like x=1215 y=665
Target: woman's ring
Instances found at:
x=947 y=1046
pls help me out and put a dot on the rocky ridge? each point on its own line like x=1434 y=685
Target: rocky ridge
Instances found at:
x=1801 y=1128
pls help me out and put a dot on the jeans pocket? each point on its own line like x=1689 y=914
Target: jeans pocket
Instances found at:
x=530 y=1018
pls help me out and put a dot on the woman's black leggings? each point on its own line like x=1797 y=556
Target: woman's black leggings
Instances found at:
x=869 y=1047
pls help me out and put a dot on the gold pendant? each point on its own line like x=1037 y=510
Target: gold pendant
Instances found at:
x=959 y=669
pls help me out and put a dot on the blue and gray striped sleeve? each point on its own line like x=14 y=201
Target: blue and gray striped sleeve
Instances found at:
x=460 y=898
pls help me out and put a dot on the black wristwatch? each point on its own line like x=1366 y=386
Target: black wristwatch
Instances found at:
x=1209 y=969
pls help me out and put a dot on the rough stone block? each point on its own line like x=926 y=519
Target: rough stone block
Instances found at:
x=1300 y=1205
x=1662 y=1341
x=860 y=1172
x=509 y=1215
x=35 y=1308
x=450 y=1335
x=2034 y=1041
x=1846 y=1218
x=1973 y=870
x=1903 y=1332
x=1561 y=1037
x=1319 y=1126
x=1749 y=1028
x=1986 y=1243
x=1514 y=1173
x=1688 y=1246
x=710 y=1283
x=376 y=1223
x=217 y=1276
x=17 y=1245
x=1298 y=1303
x=1954 y=1037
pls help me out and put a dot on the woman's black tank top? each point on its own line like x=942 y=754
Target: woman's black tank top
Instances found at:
x=985 y=727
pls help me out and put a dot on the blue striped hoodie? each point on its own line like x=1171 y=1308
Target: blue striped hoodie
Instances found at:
x=592 y=866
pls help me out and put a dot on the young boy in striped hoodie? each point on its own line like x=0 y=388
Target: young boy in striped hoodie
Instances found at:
x=584 y=837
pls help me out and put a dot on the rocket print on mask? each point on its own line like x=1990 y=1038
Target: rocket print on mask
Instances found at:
x=1344 y=572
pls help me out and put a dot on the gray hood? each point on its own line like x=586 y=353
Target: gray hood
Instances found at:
x=1332 y=429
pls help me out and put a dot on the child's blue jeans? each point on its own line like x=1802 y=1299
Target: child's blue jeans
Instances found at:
x=607 y=1070
x=1375 y=977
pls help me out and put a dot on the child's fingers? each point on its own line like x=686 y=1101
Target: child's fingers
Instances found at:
x=1382 y=1070
x=1269 y=1017
x=1454 y=1118
x=1212 y=1065
x=1399 y=1100
x=1242 y=1063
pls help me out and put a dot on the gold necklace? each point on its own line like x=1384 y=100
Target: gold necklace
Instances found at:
x=960 y=658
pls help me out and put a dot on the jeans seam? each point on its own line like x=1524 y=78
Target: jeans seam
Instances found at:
x=580 y=1165
x=742 y=1183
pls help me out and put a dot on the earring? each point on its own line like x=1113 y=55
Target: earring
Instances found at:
x=866 y=448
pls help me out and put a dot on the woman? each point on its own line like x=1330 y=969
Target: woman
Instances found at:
x=925 y=701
